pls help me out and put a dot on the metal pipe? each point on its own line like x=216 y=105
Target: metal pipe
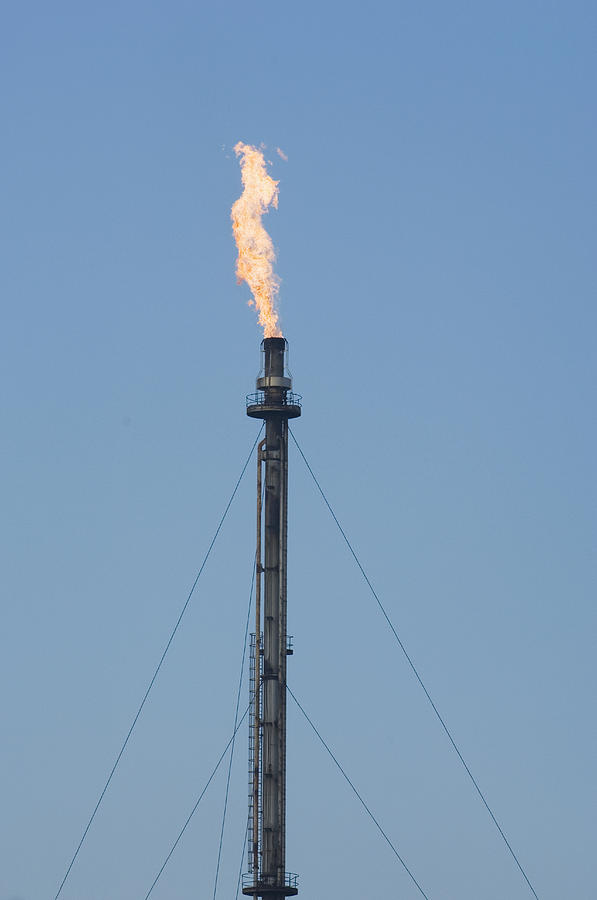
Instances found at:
x=272 y=861
x=269 y=793
x=257 y=720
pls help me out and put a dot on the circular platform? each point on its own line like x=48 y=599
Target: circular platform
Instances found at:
x=266 y=890
x=261 y=405
x=264 y=410
x=251 y=888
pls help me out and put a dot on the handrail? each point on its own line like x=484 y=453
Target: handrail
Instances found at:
x=290 y=880
x=288 y=399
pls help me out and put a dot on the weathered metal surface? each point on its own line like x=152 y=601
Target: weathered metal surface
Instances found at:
x=268 y=876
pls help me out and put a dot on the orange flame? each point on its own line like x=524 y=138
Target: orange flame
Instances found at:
x=256 y=254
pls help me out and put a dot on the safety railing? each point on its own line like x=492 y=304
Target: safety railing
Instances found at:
x=290 y=880
x=288 y=399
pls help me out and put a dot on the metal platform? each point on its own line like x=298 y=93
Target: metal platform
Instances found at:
x=260 y=407
x=262 y=889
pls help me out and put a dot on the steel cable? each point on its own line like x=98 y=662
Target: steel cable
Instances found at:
x=240 y=868
x=363 y=804
x=199 y=799
x=157 y=670
x=415 y=671
x=240 y=684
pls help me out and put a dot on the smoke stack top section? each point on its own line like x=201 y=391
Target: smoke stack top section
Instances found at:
x=274 y=396
x=274 y=368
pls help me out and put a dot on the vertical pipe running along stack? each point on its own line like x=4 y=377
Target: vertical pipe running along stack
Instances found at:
x=275 y=404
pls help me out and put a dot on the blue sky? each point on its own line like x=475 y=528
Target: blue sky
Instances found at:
x=435 y=237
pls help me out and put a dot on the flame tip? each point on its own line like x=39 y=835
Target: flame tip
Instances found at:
x=256 y=253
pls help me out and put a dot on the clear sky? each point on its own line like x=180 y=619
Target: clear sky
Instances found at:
x=436 y=235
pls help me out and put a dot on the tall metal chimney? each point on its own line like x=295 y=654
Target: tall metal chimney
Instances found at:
x=275 y=403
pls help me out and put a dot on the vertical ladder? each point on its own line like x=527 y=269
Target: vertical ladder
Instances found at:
x=253 y=756
x=252 y=689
